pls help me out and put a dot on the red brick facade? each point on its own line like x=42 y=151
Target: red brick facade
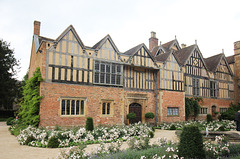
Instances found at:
x=171 y=99
x=50 y=106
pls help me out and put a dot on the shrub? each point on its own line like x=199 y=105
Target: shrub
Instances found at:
x=221 y=128
x=138 y=144
x=209 y=118
x=10 y=121
x=150 y=134
x=149 y=115
x=29 y=139
x=53 y=142
x=131 y=115
x=173 y=127
x=89 y=124
x=191 y=143
x=230 y=113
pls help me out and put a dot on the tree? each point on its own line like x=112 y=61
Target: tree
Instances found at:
x=29 y=111
x=8 y=69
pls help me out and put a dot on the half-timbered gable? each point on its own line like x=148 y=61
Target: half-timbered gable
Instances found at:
x=171 y=75
x=68 y=61
x=221 y=82
x=108 y=69
x=140 y=68
x=195 y=71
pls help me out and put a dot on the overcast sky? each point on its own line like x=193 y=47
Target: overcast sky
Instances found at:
x=215 y=24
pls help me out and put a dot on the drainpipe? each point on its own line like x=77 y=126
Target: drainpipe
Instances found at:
x=156 y=118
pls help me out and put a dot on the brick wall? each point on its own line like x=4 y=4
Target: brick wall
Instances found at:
x=50 y=105
x=171 y=99
x=209 y=102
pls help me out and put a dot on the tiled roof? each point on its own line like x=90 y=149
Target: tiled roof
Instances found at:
x=98 y=44
x=41 y=38
x=213 y=61
x=162 y=57
x=133 y=50
x=183 y=54
x=168 y=44
x=230 y=59
x=154 y=51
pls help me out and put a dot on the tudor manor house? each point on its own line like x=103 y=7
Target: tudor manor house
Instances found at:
x=106 y=84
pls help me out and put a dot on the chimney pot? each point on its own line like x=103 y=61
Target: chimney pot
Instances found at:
x=36 y=27
x=153 y=41
x=183 y=45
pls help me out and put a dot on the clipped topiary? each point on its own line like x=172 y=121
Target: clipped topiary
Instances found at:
x=191 y=143
x=10 y=120
x=209 y=118
x=131 y=115
x=53 y=142
x=172 y=127
x=89 y=124
x=149 y=115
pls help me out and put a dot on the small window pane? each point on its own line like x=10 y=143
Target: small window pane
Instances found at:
x=118 y=69
x=113 y=68
x=102 y=78
x=113 y=79
x=96 y=77
x=63 y=107
x=77 y=107
x=96 y=66
x=68 y=107
x=118 y=79
x=108 y=68
x=73 y=107
x=102 y=68
x=108 y=108
x=104 y=108
x=108 y=78
x=82 y=107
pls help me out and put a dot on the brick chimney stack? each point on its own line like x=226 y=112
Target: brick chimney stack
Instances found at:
x=36 y=28
x=153 y=41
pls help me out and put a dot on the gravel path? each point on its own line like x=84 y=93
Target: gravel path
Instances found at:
x=10 y=148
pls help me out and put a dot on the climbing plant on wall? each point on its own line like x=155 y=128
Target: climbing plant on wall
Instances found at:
x=29 y=111
x=192 y=107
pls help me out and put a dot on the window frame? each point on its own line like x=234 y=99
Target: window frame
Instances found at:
x=81 y=106
x=203 y=110
x=213 y=89
x=171 y=110
x=221 y=110
x=106 y=69
x=108 y=108
x=196 y=87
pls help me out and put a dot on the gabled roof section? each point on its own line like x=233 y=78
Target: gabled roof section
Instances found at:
x=38 y=41
x=74 y=33
x=162 y=57
x=134 y=50
x=213 y=62
x=170 y=44
x=183 y=54
x=230 y=59
x=103 y=40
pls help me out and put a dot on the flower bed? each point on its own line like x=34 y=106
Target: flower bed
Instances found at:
x=40 y=137
x=212 y=126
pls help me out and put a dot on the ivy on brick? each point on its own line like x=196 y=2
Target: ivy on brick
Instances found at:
x=192 y=107
x=29 y=111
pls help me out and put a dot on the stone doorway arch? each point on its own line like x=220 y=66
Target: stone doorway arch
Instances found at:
x=137 y=109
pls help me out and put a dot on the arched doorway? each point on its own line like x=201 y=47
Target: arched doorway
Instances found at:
x=137 y=109
x=214 y=108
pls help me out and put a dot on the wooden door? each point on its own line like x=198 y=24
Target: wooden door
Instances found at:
x=137 y=109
